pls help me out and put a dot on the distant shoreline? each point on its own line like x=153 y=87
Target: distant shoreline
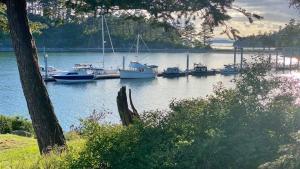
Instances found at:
x=141 y=50
x=116 y=50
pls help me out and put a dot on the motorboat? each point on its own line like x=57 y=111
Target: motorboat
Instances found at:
x=201 y=70
x=229 y=70
x=75 y=75
x=97 y=71
x=173 y=72
x=139 y=71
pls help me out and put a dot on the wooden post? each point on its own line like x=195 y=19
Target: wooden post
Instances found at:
x=298 y=63
x=127 y=116
x=123 y=62
x=270 y=56
x=46 y=63
x=234 y=56
x=283 y=62
x=187 y=64
x=276 y=62
x=242 y=58
x=291 y=59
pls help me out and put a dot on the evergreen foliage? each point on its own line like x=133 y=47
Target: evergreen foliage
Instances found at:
x=233 y=128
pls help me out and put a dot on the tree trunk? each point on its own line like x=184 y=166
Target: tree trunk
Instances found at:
x=45 y=124
x=127 y=116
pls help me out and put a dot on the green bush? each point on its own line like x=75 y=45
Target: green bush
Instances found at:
x=9 y=124
x=232 y=128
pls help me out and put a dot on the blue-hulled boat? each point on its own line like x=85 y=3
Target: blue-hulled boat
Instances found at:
x=76 y=75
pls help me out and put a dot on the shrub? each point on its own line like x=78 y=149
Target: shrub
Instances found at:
x=232 y=128
x=9 y=124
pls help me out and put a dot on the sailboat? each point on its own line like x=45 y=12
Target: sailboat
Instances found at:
x=138 y=70
x=98 y=70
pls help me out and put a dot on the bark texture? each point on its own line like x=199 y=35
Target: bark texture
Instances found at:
x=48 y=131
x=127 y=116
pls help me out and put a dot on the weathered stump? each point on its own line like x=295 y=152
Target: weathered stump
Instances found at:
x=127 y=116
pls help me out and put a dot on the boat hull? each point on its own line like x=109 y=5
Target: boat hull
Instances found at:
x=73 y=79
x=127 y=74
x=172 y=75
x=208 y=73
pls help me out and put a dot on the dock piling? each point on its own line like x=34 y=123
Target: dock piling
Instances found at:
x=270 y=56
x=187 y=64
x=123 y=63
x=291 y=59
x=283 y=62
x=242 y=58
x=46 y=63
x=276 y=62
x=234 y=56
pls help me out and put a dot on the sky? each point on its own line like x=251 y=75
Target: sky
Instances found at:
x=276 y=13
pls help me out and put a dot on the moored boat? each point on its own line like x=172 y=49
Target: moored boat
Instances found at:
x=139 y=71
x=97 y=70
x=173 y=72
x=76 y=75
x=229 y=70
x=201 y=70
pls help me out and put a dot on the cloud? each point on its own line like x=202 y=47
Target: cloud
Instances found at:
x=276 y=13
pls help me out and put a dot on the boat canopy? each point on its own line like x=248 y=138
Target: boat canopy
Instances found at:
x=136 y=65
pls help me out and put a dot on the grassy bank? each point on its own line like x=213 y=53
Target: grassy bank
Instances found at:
x=18 y=152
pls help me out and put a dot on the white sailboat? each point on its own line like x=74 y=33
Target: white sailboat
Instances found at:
x=138 y=70
x=98 y=70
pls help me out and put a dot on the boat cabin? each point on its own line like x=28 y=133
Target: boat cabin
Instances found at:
x=136 y=66
x=198 y=67
x=172 y=70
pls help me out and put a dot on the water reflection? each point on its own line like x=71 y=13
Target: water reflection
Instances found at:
x=136 y=83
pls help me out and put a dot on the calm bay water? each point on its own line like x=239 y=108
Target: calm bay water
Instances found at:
x=74 y=101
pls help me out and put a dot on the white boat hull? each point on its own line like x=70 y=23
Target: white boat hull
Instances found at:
x=128 y=74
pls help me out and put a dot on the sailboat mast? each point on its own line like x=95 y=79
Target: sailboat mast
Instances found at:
x=46 y=63
x=137 y=45
x=103 y=42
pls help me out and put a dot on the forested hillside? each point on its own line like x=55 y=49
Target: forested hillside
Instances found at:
x=59 y=29
x=287 y=36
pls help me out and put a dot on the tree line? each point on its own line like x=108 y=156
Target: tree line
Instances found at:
x=287 y=36
x=58 y=28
